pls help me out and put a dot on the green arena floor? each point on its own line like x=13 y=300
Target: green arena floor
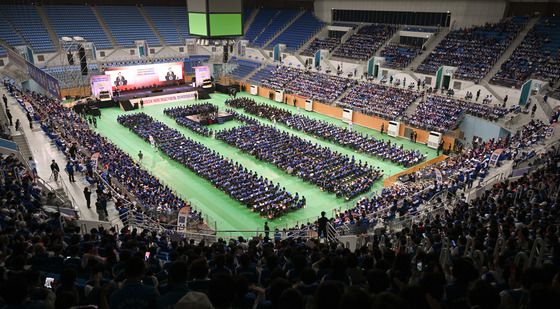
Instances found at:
x=220 y=209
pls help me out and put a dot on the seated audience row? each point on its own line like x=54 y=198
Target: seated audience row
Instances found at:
x=472 y=50
x=327 y=43
x=331 y=171
x=332 y=133
x=365 y=42
x=321 y=87
x=374 y=99
x=538 y=55
x=256 y=192
x=398 y=56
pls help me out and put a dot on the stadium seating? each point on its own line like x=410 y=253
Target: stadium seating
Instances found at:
x=365 y=42
x=164 y=20
x=27 y=21
x=327 y=43
x=262 y=74
x=261 y=20
x=127 y=25
x=399 y=56
x=243 y=68
x=77 y=20
x=537 y=56
x=181 y=19
x=277 y=23
x=305 y=27
x=2 y=52
x=373 y=99
x=473 y=50
x=321 y=87
x=8 y=35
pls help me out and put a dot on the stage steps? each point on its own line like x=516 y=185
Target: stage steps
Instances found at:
x=126 y=105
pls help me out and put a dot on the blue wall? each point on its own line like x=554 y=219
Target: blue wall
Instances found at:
x=474 y=126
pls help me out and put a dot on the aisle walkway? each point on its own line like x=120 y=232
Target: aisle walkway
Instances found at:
x=43 y=152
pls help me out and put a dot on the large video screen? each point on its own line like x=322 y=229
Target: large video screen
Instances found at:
x=141 y=76
x=197 y=24
x=222 y=24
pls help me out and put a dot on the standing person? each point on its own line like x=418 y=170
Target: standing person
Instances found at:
x=30 y=119
x=55 y=169
x=440 y=147
x=412 y=136
x=532 y=112
x=141 y=103
x=87 y=195
x=477 y=95
x=17 y=124
x=140 y=156
x=382 y=127
x=94 y=122
x=266 y=231
x=505 y=100
x=70 y=171
x=5 y=99
x=322 y=231
x=9 y=115
x=32 y=167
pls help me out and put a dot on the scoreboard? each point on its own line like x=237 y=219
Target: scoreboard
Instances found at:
x=215 y=18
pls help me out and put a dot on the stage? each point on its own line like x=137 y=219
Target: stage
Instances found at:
x=154 y=91
x=211 y=119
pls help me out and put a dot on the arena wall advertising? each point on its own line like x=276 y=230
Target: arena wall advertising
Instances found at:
x=142 y=76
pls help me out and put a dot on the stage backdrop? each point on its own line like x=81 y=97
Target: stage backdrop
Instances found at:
x=148 y=75
x=100 y=83
x=201 y=74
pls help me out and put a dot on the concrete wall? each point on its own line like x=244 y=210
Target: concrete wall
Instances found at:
x=474 y=126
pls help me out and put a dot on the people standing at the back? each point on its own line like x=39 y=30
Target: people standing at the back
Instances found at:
x=70 y=171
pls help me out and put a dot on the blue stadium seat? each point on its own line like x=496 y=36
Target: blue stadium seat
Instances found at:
x=127 y=25
x=243 y=69
x=77 y=20
x=165 y=21
x=304 y=28
x=279 y=21
x=27 y=21
x=262 y=74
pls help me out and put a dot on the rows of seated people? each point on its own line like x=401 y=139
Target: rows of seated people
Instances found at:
x=256 y=192
x=398 y=56
x=538 y=55
x=426 y=265
x=67 y=128
x=365 y=42
x=338 y=135
x=331 y=171
x=317 y=44
x=443 y=114
x=454 y=173
x=321 y=87
x=472 y=50
x=374 y=99
x=180 y=114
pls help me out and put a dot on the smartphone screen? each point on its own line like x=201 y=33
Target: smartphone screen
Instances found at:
x=147 y=255
x=49 y=282
x=419 y=266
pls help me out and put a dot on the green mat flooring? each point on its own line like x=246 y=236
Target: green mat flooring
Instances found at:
x=219 y=209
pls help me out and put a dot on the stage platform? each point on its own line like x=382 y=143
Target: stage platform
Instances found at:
x=152 y=92
x=204 y=120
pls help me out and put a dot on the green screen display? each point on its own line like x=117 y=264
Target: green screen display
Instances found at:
x=225 y=24
x=197 y=24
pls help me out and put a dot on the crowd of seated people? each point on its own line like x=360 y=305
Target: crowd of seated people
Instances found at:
x=398 y=56
x=472 y=50
x=442 y=114
x=454 y=173
x=318 y=44
x=321 y=87
x=180 y=114
x=365 y=42
x=331 y=171
x=436 y=114
x=475 y=255
x=374 y=99
x=256 y=192
x=332 y=133
x=531 y=58
x=72 y=135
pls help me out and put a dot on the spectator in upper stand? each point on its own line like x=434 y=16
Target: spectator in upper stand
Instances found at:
x=472 y=50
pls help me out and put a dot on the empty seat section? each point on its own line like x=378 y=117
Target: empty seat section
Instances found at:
x=127 y=25
x=27 y=21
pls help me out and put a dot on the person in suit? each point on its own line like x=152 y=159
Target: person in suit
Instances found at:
x=170 y=76
x=120 y=80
